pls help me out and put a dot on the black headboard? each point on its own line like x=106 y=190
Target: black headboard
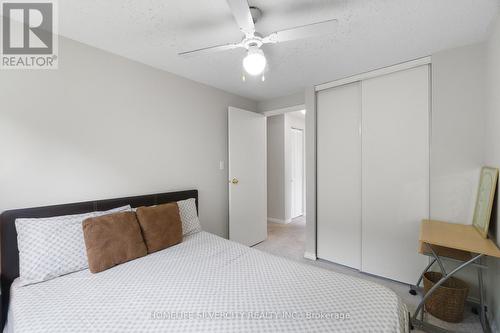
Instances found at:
x=8 y=234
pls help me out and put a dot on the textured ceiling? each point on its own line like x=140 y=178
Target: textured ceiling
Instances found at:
x=371 y=34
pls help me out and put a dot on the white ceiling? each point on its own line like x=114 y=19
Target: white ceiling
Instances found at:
x=371 y=34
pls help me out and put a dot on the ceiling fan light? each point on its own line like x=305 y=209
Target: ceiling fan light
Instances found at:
x=255 y=61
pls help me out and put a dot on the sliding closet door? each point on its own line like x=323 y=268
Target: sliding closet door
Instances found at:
x=339 y=175
x=395 y=173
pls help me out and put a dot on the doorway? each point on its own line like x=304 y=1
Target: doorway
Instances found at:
x=286 y=183
x=276 y=182
x=285 y=166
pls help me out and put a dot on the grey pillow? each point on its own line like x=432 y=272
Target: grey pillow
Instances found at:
x=189 y=217
x=53 y=246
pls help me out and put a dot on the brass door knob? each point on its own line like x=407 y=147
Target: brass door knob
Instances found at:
x=234 y=181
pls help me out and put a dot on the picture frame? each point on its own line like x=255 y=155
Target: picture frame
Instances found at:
x=484 y=200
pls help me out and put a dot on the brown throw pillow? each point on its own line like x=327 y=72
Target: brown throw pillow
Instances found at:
x=112 y=239
x=161 y=226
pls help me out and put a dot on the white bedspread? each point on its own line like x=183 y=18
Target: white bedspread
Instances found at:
x=206 y=284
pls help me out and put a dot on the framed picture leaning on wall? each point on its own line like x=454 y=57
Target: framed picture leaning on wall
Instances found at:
x=484 y=200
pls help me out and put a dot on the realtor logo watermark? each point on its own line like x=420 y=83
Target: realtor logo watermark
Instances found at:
x=29 y=34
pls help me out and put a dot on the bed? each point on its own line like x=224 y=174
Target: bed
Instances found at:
x=206 y=283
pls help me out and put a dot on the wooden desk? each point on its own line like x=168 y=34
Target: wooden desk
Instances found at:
x=455 y=236
x=459 y=242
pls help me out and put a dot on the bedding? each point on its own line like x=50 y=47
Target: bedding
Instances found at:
x=53 y=246
x=161 y=226
x=112 y=240
x=206 y=283
x=189 y=216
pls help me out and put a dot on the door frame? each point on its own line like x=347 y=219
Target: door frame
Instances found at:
x=275 y=112
x=280 y=111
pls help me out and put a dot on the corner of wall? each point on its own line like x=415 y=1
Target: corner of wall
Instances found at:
x=281 y=102
x=492 y=157
x=310 y=103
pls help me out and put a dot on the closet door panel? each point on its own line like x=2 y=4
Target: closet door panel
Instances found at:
x=339 y=175
x=395 y=173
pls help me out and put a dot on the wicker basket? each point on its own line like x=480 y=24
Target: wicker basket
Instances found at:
x=448 y=300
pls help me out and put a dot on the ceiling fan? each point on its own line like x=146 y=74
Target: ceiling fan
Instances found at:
x=255 y=61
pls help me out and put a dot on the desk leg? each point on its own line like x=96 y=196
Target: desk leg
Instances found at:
x=440 y=263
x=413 y=291
x=482 y=313
x=440 y=282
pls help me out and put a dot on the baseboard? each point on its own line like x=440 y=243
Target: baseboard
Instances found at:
x=310 y=255
x=272 y=219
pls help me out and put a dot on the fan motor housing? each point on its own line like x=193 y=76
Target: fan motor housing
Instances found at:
x=255 y=41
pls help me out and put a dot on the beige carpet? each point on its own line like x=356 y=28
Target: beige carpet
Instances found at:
x=288 y=240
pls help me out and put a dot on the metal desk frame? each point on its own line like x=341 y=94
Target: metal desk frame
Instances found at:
x=474 y=261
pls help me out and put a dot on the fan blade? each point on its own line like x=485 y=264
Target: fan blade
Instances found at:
x=301 y=32
x=211 y=49
x=242 y=15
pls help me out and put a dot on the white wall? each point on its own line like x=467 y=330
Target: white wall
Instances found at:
x=458 y=104
x=276 y=167
x=457 y=140
x=492 y=157
x=102 y=126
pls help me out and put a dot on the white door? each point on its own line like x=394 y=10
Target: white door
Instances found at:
x=395 y=173
x=247 y=176
x=297 y=140
x=339 y=174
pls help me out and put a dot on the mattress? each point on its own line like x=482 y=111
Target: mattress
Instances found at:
x=206 y=284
